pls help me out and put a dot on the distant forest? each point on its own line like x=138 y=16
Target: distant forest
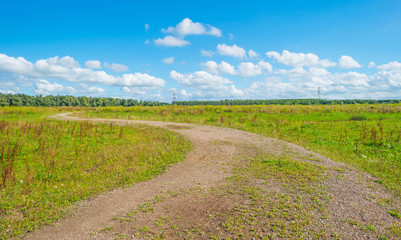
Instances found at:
x=71 y=101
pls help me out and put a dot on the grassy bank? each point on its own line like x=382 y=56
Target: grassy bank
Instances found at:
x=47 y=165
x=367 y=137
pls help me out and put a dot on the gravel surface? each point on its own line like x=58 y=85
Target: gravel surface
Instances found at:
x=354 y=194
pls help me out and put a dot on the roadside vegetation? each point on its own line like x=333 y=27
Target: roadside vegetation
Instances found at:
x=46 y=165
x=367 y=137
x=266 y=197
x=245 y=207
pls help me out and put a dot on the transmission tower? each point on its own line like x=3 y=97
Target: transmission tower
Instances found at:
x=318 y=93
x=174 y=99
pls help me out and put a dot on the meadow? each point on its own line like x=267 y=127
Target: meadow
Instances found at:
x=367 y=137
x=47 y=165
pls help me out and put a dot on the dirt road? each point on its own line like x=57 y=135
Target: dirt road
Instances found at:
x=208 y=165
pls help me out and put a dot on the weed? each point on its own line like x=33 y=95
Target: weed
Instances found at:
x=395 y=213
x=371 y=141
x=357 y=118
x=46 y=166
x=107 y=229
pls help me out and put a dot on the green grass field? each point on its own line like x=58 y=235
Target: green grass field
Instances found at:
x=367 y=137
x=48 y=165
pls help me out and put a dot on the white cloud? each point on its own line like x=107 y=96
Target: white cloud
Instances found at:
x=188 y=27
x=207 y=53
x=232 y=51
x=56 y=66
x=299 y=59
x=68 y=69
x=351 y=78
x=348 y=62
x=170 y=41
x=93 y=64
x=371 y=65
x=391 y=66
x=252 y=54
x=248 y=69
x=222 y=68
x=46 y=88
x=147 y=26
x=301 y=83
x=66 y=61
x=7 y=86
x=15 y=65
x=89 y=90
x=138 y=90
x=245 y=69
x=7 y=91
x=199 y=78
x=389 y=77
x=116 y=67
x=140 y=80
x=95 y=90
x=265 y=65
x=169 y=60
x=184 y=93
x=207 y=85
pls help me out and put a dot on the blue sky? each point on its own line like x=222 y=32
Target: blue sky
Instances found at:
x=206 y=50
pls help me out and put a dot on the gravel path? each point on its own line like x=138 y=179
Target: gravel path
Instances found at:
x=207 y=166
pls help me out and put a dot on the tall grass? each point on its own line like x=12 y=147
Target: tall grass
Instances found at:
x=364 y=136
x=45 y=166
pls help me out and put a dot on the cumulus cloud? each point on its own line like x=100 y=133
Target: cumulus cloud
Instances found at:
x=303 y=83
x=7 y=86
x=188 y=27
x=348 y=62
x=56 y=66
x=391 y=66
x=15 y=65
x=141 y=80
x=46 y=88
x=299 y=59
x=207 y=85
x=199 y=78
x=222 y=68
x=116 y=67
x=248 y=69
x=169 y=60
x=207 y=53
x=138 y=90
x=171 y=41
x=93 y=64
x=351 y=78
x=245 y=69
x=252 y=54
x=95 y=90
x=185 y=94
x=232 y=51
x=371 y=65
x=389 y=76
x=67 y=69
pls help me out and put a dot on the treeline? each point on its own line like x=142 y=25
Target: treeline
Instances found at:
x=285 y=102
x=70 y=101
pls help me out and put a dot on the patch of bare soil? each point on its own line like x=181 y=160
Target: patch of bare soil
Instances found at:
x=207 y=196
